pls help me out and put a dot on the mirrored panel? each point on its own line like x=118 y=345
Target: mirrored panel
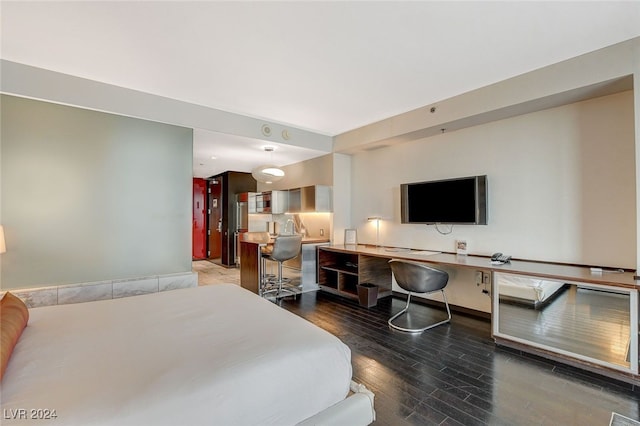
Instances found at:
x=592 y=322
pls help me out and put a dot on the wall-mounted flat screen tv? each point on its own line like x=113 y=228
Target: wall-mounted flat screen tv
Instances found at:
x=449 y=201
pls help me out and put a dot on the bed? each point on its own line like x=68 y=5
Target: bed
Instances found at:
x=217 y=355
x=532 y=292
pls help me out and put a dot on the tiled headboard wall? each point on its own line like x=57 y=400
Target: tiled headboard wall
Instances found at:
x=103 y=290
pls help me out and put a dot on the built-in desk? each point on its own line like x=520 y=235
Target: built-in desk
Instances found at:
x=522 y=267
x=591 y=322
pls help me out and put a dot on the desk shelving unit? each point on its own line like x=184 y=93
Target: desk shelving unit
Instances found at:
x=597 y=298
x=340 y=273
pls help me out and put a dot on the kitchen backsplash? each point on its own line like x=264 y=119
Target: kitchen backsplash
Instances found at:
x=316 y=225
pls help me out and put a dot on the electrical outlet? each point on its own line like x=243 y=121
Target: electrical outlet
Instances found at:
x=479 y=278
x=486 y=278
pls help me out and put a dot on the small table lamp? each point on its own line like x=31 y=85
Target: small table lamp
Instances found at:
x=377 y=219
x=3 y=247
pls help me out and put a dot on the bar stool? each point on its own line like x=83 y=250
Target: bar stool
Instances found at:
x=285 y=247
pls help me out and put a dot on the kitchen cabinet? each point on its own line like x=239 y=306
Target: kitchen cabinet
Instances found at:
x=252 y=200
x=272 y=202
x=315 y=198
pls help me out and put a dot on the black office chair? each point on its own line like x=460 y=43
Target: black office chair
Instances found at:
x=416 y=277
x=285 y=247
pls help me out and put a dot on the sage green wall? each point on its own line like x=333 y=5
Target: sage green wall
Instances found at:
x=89 y=196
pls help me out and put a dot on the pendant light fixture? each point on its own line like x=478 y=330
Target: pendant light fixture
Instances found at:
x=268 y=173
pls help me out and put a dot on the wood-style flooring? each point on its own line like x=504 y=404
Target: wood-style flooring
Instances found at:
x=454 y=374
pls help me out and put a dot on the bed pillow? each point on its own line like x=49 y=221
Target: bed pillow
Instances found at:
x=14 y=316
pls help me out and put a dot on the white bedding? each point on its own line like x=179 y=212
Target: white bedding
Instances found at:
x=528 y=289
x=215 y=355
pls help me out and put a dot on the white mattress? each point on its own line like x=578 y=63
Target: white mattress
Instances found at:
x=529 y=289
x=216 y=355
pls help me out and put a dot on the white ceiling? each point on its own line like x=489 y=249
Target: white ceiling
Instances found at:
x=328 y=67
x=240 y=154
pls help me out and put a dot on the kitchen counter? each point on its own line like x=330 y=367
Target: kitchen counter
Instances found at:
x=250 y=265
x=314 y=240
x=306 y=240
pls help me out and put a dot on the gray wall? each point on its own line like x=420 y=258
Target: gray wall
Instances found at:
x=88 y=196
x=561 y=188
x=560 y=185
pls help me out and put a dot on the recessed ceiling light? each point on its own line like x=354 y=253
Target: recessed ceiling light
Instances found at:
x=213 y=157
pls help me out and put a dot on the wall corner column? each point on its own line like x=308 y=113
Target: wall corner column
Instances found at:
x=341 y=196
x=636 y=106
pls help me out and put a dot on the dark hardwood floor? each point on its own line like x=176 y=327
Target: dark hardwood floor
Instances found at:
x=455 y=375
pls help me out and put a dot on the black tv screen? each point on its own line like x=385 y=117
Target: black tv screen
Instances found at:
x=450 y=201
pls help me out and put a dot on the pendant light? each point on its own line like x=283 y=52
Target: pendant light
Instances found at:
x=268 y=173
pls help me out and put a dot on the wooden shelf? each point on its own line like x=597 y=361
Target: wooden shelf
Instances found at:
x=342 y=269
x=333 y=290
x=335 y=276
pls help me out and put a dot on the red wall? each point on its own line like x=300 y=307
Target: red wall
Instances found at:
x=199 y=239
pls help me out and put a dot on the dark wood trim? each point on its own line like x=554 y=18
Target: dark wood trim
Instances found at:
x=250 y=265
